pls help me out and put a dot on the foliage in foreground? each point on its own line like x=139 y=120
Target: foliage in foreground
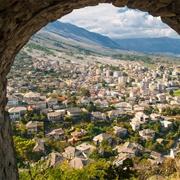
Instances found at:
x=104 y=170
x=24 y=151
x=97 y=170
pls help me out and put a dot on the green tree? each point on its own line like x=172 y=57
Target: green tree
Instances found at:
x=124 y=98
x=90 y=107
x=103 y=84
x=23 y=130
x=94 y=155
x=43 y=117
x=68 y=118
x=124 y=171
x=157 y=127
x=96 y=170
x=148 y=111
x=85 y=92
x=171 y=92
x=53 y=95
x=24 y=149
x=169 y=167
x=125 y=74
x=85 y=116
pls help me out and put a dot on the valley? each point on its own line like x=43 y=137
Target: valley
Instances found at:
x=80 y=109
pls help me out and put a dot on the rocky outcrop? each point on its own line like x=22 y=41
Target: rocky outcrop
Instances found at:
x=19 y=20
x=8 y=165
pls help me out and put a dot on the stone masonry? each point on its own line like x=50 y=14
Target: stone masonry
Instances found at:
x=20 y=19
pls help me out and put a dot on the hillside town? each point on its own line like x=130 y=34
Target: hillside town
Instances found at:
x=81 y=112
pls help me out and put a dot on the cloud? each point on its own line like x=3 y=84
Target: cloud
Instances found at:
x=116 y=22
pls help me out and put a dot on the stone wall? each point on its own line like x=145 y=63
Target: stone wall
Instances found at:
x=8 y=164
x=20 y=19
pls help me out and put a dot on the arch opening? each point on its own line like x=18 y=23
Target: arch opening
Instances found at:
x=20 y=20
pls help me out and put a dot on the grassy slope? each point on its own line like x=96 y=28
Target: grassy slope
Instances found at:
x=177 y=93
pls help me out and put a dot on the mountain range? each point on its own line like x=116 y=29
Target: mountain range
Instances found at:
x=151 y=45
x=78 y=34
x=69 y=32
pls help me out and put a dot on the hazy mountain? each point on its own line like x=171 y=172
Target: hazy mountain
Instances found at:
x=73 y=32
x=155 y=45
x=66 y=33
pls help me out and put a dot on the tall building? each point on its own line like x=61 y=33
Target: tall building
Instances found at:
x=122 y=80
x=117 y=74
x=98 y=71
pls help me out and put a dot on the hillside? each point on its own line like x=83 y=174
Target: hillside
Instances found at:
x=73 y=32
x=69 y=42
x=69 y=34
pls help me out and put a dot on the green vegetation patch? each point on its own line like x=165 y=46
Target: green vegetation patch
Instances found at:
x=177 y=93
x=130 y=57
x=58 y=45
x=40 y=48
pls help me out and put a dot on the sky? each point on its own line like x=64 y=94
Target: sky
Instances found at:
x=114 y=22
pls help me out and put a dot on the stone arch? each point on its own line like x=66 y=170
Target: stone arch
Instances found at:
x=19 y=20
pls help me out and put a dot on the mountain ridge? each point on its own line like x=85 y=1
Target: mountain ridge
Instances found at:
x=68 y=30
x=151 y=45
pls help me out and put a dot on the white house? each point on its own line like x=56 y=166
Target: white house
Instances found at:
x=173 y=153
x=115 y=114
x=174 y=103
x=124 y=106
x=138 y=108
x=155 y=117
x=12 y=101
x=54 y=116
x=99 y=138
x=142 y=117
x=175 y=73
x=51 y=101
x=129 y=148
x=16 y=112
x=135 y=125
x=74 y=112
x=166 y=124
x=147 y=134
x=85 y=149
x=31 y=127
x=119 y=131
x=161 y=97
x=56 y=133
x=31 y=96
